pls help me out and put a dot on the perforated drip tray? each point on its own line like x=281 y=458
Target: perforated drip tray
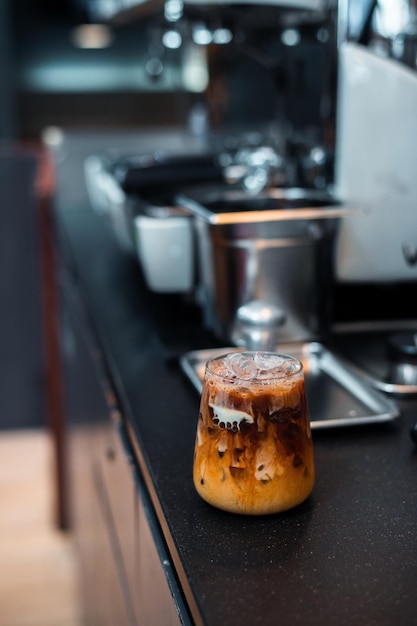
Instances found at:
x=337 y=396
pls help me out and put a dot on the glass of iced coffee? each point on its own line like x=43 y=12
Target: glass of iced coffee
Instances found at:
x=253 y=450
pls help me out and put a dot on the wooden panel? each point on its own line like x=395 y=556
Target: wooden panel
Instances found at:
x=118 y=480
x=102 y=592
x=105 y=599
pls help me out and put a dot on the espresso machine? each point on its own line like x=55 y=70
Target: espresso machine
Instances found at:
x=375 y=152
x=298 y=170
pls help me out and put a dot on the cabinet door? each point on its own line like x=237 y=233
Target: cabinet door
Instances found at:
x=102 y=579
x=118 y=476
x=103 y=598
x=154 y=592
x=127 y=577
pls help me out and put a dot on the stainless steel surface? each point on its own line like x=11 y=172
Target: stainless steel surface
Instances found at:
x=404 y=374
x=336 y=395
x=274 y=247
x=224 y=206
x=257 y=325
x=256 y=168
x=365 y=346
x=402 y=353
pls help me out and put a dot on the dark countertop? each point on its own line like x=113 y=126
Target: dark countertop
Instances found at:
x=348 y=555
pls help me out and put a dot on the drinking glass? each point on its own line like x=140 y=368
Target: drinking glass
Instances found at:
x=253 y=449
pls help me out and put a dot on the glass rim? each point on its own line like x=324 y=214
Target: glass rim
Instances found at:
x=233 y=378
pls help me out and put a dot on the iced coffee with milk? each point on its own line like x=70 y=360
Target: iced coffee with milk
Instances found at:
x=253 y=449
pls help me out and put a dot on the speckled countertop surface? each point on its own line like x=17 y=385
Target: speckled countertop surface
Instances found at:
x=348 y=555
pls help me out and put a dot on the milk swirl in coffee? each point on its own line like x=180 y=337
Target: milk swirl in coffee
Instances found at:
x=253 y=449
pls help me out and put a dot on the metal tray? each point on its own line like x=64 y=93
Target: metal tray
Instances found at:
x=336 y=395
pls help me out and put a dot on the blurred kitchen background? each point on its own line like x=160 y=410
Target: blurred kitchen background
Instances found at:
x=251 y=75
x=90 y=67
x=61 y=71
x=146 y=68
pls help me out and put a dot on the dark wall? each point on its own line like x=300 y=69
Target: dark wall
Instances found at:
x=58 y=84
x=7 y=93
x=21 y=369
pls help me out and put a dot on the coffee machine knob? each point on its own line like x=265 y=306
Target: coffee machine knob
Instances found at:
x=257 y=325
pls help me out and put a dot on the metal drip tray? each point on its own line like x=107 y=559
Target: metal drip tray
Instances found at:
x=337 y=396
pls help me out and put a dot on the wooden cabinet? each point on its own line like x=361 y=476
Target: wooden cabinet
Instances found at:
x=127 y=577
x=156 y=597
x=116 y=468
x=104 y=597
